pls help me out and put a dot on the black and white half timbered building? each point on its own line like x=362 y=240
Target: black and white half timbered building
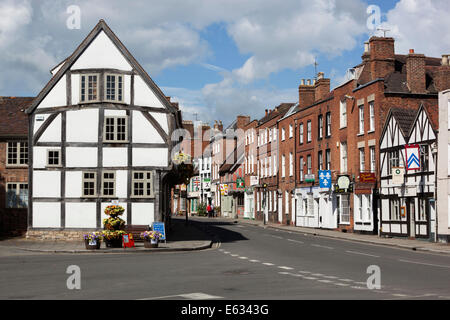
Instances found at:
x=407 y=197
x=99 y=133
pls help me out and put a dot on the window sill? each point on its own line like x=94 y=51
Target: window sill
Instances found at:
x=360 y=134
x=371 y=131
x=16 y=166
x=116 y=142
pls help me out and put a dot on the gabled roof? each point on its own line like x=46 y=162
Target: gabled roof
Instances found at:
x=279 y=111
x=13 y=119
x=101 y=26
x=405 y=119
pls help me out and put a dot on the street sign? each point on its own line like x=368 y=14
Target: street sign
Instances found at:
x=325 y=178
x=206 y=183
x=412 y=157
x=398 y=175
x=159 y=227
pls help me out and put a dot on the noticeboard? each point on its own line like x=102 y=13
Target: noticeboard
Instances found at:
x=159 y=226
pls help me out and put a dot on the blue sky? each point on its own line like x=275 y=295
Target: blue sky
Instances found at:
x=217 y=58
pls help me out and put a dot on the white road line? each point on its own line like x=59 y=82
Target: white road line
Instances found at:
x=286 y=268
x=310 y=278
x=363 y=254
x=189 y=296
x=226 y=252
x=268 y=264
x=319 y=246
x=243 y=258
x=342 y=284
x=425 y=264
x=255 y=261
x=400 y=295
x=277 y=237
x=325 y=281
x=305 y=272
x=330 y=277
x=317 y=274
x=346 y=280
x=235 y=255
x=296 y=241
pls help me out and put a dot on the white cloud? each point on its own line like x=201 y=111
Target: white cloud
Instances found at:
x=421 y=25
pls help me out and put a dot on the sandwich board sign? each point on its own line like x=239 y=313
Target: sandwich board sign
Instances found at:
x=159 y=227
x=412 y=157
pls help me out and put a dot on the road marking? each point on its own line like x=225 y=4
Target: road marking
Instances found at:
x=235 y=255
x=310 y=278
x=268 y=264
x=305 y=272
x=363 y=254
x=277 y=237
x=325 y=281
x=319 y=246
x=330 y=277
x=346 y=280
x=400 y=295
x=425 y=264
x=296 y=241
x=317 y=274
x=226 y=252
x=243 y=258
x=358 y=288
x=342 y=284
x=189 y=296
x=255 y=261
x=286 y=268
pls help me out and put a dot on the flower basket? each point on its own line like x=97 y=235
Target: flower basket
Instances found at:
x=151 y=238
x=92 y=240
x=113 y=239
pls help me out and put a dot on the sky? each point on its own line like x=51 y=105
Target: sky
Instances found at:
x=217 y=58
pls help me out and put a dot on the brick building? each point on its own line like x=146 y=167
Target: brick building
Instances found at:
x=340 y=131
x=13 y=165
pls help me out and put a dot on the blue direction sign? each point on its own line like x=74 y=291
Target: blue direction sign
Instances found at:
x=159 y=226
x=325 y=178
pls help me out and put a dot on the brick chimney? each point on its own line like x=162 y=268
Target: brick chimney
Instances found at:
x=242 y=121
x=415 y=72
x=382 y=57
x=442 y=75
x=322 y=87
x=306 y=93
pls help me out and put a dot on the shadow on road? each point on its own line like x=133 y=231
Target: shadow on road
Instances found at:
x=203 y=230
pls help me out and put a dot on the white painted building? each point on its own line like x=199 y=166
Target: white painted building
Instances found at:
x=443 y=169
x=99 y=134
x=407 y=205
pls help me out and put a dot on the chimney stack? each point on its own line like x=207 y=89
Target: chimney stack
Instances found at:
x=382 y=57
x=442 y=75
x=322 y=87
x=306 y=93
x=415 y=72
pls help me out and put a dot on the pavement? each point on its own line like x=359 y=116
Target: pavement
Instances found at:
x=181 y=237
x=416 y=245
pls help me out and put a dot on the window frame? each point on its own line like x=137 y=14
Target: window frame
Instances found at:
x=59 y=158
x=115 y=132
x=343 y=114
x=116 y=94
x=113 y=180
x=145 y=181
x=309 y=131
x=344 y=159
x=302 y=133
x=86 y=93
x=328 y=124
x=17 y=195
x=371 y=116
x=90 y=180
x=320 y=127
x=362 y=159
x=19 y=145
x=361 y=123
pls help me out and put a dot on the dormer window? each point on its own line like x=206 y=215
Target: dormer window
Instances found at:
x=89 y=88
x=113 y=88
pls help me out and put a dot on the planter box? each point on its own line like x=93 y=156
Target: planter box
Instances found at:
x=149 y=244
x=94 y=245
x=116 y=243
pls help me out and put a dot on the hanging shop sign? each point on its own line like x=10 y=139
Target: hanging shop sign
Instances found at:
x=240 y=183
x=412 y=157
x=325 y=179
x=344 y=185
x=367 y=177
x=398 y=175
x=310 y=178
x=206 y=183
x=254 y=181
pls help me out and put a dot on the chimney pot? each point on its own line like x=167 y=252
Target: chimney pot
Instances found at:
x=302 y=82
x=445 y=61
x=366 y=47
x=308 y=82
x=411 y=51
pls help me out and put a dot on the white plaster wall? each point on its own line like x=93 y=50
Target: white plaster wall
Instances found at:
x=81 y=157
x=53 y=131
x=75 y=82
x=104 y=216
x=127 y=89
x=121 y=184
x=46 y=215
x=57 y=95
x=46 y=184
x=118 y=113
x=144 y=96
x=115 y=157
x=38 y=124
x=82 y=125
x=74 y=183
x=143 y=213
x=143 y=130
x=102 y=53
x=81 y=215
x=162 y=120
x=40 y=156
x=150 y=157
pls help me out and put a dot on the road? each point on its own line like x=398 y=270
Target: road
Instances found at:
x=249 y=263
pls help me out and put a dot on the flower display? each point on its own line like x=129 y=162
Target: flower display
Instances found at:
x=113 y=235
x=151 y=235
x=114 y=223
x=93 y=236
x=114 y=211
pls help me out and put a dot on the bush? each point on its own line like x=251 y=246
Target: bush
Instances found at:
x=201 y=210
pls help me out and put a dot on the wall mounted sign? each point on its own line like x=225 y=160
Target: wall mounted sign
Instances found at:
x=367 y=177
x=412 y=157
x=254 y=180
x=206 y=183
x=325 y=179
x=310 y=178
x=398 y=175
x=344 y=185
x=240 y=183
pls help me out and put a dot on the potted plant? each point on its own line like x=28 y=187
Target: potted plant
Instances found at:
x=113 y=239
x=151 y=238
x=92 y=240
x=113 y=226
